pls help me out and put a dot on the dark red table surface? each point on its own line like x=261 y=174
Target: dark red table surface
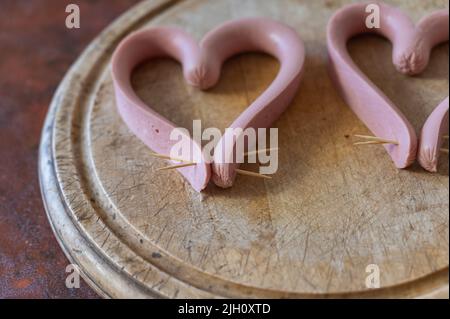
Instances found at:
x=36 y=50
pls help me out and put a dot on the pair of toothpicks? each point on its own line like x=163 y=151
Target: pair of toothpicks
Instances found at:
x=373 y=140
x=186 y=163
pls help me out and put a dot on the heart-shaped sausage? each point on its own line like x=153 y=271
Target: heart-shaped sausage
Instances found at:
x=412 y=45
x=202 y=64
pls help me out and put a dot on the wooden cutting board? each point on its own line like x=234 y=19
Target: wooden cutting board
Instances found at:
x=331 y=210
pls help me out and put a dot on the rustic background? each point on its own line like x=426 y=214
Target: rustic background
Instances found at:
x=331 y=210
x=36 y=50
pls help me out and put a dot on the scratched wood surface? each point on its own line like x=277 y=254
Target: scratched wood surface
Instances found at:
x=329 y=212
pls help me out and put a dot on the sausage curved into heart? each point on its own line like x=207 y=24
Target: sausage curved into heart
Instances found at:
x=412 y=45
x=202 y=64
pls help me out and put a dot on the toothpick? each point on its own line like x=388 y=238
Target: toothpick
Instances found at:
x=170 y=158
x=176 y=166
x=275 y=149
x=375 y=140
x=445 y=137
x=253 y=174
x=444 y=150
x=370 y=143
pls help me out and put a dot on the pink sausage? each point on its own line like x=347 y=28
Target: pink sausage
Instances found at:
x=201 y=67
x=411 y=51
x=255 y=35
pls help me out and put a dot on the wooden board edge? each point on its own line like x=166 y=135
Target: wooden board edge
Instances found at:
x=68 y=234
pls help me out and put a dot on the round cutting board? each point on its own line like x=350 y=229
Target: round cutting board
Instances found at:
x=330 y=212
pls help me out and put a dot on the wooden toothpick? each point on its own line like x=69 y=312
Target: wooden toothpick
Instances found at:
x=444 y=150
x=253 y=174
x=170 y=158
x=370 y=143
x=445 y=137
x=239 y=171
x=176 y=166
x=373 y=140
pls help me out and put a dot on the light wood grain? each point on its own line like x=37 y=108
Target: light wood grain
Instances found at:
x=331 y=209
